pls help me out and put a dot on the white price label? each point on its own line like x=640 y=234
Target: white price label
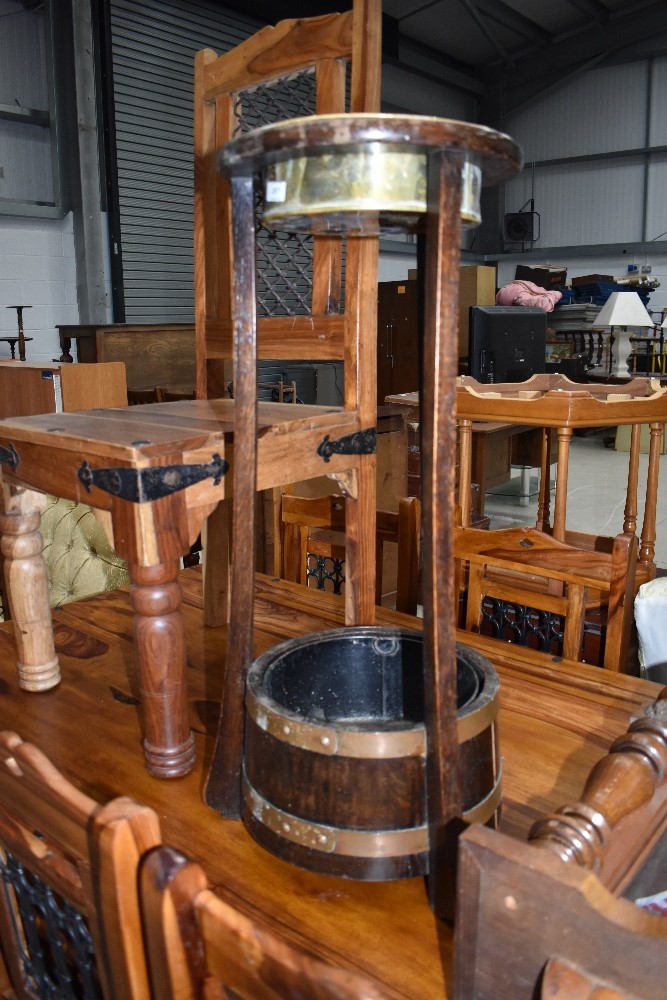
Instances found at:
x=276 y=190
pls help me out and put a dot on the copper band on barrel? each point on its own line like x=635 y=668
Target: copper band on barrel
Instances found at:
x=356 y=843
x=354 y=742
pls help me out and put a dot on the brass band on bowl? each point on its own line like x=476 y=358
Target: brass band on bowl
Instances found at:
x=359 y=192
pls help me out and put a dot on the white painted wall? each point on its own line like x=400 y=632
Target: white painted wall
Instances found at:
x=37 y=269
x=395 y=267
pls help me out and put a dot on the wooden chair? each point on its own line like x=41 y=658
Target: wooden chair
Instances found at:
x=303 y=309
x=138 y=397
x=314 y=528
x=528 y=568
x=328 y=64
x=558 y=917
x=194 y=938
x=70 y=924
x=168 y=395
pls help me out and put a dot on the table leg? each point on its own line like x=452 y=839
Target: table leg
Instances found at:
x=647 y=543
x=544 y=498
x=159 y=636
x=27 y=589
x=465 y=471
x=560 y=507
x=66 y=344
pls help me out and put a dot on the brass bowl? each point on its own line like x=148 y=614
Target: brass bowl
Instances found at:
x=361 y=192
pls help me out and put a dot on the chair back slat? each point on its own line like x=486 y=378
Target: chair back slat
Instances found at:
x=69 y=910
x=194 y=937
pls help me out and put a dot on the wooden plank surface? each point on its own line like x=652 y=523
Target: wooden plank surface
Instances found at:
x=556 y=721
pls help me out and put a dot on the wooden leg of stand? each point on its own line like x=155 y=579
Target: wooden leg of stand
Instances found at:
x=647 y=545
x=223 y=787
x=217 y=533
x=438 y=447
x=159 y=636
x=27 y=588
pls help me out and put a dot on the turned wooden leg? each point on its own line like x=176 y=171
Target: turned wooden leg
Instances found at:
x=160 y=644
x=27 y=588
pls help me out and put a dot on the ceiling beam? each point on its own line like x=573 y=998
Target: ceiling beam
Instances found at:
x=507 y=17
x=537 y=72
x=422 y=60
x=593 y=9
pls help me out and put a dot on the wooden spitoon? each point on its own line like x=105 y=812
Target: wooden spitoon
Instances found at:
x=454 y=157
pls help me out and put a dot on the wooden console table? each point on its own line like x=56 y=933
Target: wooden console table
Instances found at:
x=556 y=721
x=496 y=446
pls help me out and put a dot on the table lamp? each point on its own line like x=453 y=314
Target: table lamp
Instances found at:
x=620 y=311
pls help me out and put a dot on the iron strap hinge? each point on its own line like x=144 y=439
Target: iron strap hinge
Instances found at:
x=359 y=443
x=144 y=485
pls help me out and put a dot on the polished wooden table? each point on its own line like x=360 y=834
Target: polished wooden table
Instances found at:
x=556 y=721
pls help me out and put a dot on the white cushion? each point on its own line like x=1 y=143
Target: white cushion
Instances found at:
x=651 y=621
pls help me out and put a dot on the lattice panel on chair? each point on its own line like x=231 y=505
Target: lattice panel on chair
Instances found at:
x=52 y=936
x=325 y=570
x=510 y=621
x=284 y=260
x=526 y=626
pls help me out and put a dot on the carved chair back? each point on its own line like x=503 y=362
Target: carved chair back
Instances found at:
x=532 y=573
x=70 y=924
x=312 y=544
x=195 y=937
x=566 y=914
x=306 y=307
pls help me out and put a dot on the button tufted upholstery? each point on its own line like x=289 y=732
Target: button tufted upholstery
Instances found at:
x=78 y=556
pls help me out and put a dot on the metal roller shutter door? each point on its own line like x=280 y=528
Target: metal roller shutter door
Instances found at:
x=153 y=48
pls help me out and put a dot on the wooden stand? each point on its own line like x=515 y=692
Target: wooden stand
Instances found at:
x=447 y=150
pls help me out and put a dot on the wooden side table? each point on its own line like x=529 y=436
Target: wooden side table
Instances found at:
x=552 y=401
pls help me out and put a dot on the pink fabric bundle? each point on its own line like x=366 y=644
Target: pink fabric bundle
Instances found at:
x=525 y=293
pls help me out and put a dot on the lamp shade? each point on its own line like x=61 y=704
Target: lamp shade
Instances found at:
x=623 y=309
x=663 y=325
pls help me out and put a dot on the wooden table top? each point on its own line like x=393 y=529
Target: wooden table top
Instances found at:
x=556 y=720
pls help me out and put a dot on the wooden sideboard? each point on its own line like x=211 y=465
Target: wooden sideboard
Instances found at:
x=153 y=353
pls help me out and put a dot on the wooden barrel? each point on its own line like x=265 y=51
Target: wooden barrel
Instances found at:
x=335 y=751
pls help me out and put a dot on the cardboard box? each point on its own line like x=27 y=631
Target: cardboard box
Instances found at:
x=591 y=279
x=477 y=287
x=544 y=275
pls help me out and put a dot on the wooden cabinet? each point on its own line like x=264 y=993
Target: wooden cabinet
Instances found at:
x=398 y=325
x=398 y=337
x=477 y=287
x=153 y=353
x=28 y=388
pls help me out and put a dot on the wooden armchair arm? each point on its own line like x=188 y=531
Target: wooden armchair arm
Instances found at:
x=626 y=779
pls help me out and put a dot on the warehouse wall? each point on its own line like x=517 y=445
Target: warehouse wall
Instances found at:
x=596 y=162
x=37 y=268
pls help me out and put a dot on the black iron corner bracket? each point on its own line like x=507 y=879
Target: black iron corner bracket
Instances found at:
x=144 y=485
x=359 y=443
x=9 y=456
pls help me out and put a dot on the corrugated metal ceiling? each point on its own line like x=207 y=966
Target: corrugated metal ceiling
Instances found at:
x=530 y=44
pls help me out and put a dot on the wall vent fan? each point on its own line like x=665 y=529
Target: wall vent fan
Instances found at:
x=521 y=227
